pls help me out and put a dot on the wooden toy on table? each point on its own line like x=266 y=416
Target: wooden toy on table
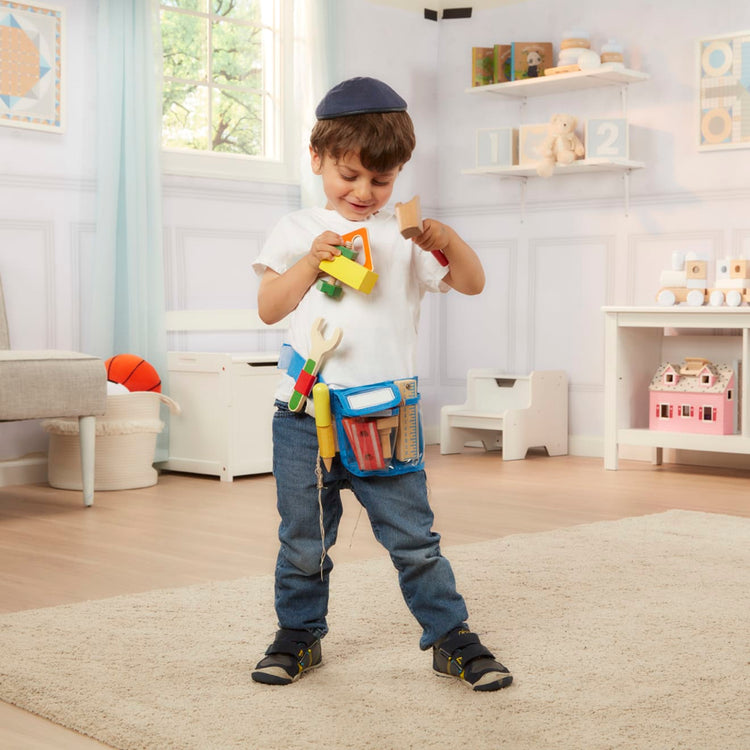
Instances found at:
x=732 y=283
x=320 y=348
x=410 y=225
x=347 y=270
x=685 y=281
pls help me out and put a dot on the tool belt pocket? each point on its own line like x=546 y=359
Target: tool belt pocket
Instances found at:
x=379 y=428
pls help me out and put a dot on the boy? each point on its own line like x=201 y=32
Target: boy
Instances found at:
x=358 y=146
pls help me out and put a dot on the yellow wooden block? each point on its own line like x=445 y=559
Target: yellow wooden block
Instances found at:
x=350 y=272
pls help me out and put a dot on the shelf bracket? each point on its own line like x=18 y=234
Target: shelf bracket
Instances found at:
x=626 y=188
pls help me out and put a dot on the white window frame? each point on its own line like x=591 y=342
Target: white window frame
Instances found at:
x=285 y=169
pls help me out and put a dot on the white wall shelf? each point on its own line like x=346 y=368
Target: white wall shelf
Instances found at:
x=557 y=84
x=634 y=338
x=577 y=167
x=562 y=83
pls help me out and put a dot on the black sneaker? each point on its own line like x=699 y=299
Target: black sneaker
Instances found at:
x=460 y=654
x=292 y=653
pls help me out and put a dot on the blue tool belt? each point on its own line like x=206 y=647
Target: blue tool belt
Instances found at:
x=378 y=426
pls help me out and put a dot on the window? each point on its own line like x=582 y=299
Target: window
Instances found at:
x=685 y=410
x=707 y=413
x=227 y=86
x=664 y=411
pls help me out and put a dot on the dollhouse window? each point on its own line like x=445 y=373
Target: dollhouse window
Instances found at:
x=685 y=410
x=663 y=411
x=706 y=413
x=730 y=395
x=669 y=377
x=705 y=379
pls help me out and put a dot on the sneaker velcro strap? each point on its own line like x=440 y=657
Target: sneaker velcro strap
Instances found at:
x=288 y=641
x=465 y=645
x=474 y=651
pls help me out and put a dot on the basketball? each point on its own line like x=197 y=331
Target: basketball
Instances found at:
x=133 y=372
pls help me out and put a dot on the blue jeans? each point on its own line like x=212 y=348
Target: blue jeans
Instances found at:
x=401 y=519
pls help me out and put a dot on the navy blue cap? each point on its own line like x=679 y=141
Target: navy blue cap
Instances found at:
x=359 y=96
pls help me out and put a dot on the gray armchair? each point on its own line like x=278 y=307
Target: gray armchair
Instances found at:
x=50 y=384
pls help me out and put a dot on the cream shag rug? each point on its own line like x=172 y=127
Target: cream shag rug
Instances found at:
x=626 y=634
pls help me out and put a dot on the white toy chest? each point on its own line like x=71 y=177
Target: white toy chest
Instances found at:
x=227 y=403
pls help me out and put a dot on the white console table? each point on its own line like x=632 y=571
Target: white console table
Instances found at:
x=634 y=338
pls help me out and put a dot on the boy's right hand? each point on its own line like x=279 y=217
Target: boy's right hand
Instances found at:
x=325 y=247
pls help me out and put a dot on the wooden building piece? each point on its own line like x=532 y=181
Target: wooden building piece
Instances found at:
x=410 y=224
x=409 y=217
x=345 y=269
x=350 y=272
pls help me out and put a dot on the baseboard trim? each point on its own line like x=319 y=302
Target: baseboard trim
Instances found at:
x=24 y=470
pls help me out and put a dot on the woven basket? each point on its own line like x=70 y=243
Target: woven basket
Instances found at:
x=125 y=444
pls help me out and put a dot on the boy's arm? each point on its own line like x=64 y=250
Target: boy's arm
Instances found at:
x=466 y=274
x=279 y=294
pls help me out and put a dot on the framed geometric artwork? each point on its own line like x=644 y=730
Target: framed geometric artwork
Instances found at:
x=31 y=65
x=724 y=90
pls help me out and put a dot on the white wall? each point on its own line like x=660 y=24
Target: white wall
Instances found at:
x=575 y=249
x=46 y=218
x=547 y=276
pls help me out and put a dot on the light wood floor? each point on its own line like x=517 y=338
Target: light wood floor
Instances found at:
x=189 y=529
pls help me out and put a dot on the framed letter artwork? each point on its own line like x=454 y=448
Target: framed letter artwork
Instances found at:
x=724 y=78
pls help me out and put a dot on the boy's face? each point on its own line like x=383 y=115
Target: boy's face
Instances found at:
x=355 y=192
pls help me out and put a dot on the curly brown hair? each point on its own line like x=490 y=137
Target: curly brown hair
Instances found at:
x=383 y=140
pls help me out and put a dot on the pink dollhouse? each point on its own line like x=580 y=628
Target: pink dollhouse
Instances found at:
x=696 y=396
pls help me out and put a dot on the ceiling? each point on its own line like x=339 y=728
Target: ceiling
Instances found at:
x=420 y=5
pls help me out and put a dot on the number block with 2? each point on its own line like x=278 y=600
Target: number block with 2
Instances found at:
x=607 y=138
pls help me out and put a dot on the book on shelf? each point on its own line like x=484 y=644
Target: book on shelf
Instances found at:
x=482 y=66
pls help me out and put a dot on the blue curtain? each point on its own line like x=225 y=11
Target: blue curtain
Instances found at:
x=318 y=67
x=127 y=310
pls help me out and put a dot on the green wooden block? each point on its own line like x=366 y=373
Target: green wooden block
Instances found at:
x=348 y=252
x=332 y=290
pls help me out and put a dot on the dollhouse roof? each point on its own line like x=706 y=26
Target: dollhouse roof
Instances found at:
x=690 y=382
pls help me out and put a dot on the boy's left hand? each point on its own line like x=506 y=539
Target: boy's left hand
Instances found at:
x=434 y=237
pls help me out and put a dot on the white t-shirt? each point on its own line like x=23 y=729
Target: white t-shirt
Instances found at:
x=380 y=328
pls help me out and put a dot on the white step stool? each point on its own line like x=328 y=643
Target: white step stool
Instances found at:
x=516 y=412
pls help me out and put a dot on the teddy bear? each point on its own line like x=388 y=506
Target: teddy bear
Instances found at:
x=561 y=146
